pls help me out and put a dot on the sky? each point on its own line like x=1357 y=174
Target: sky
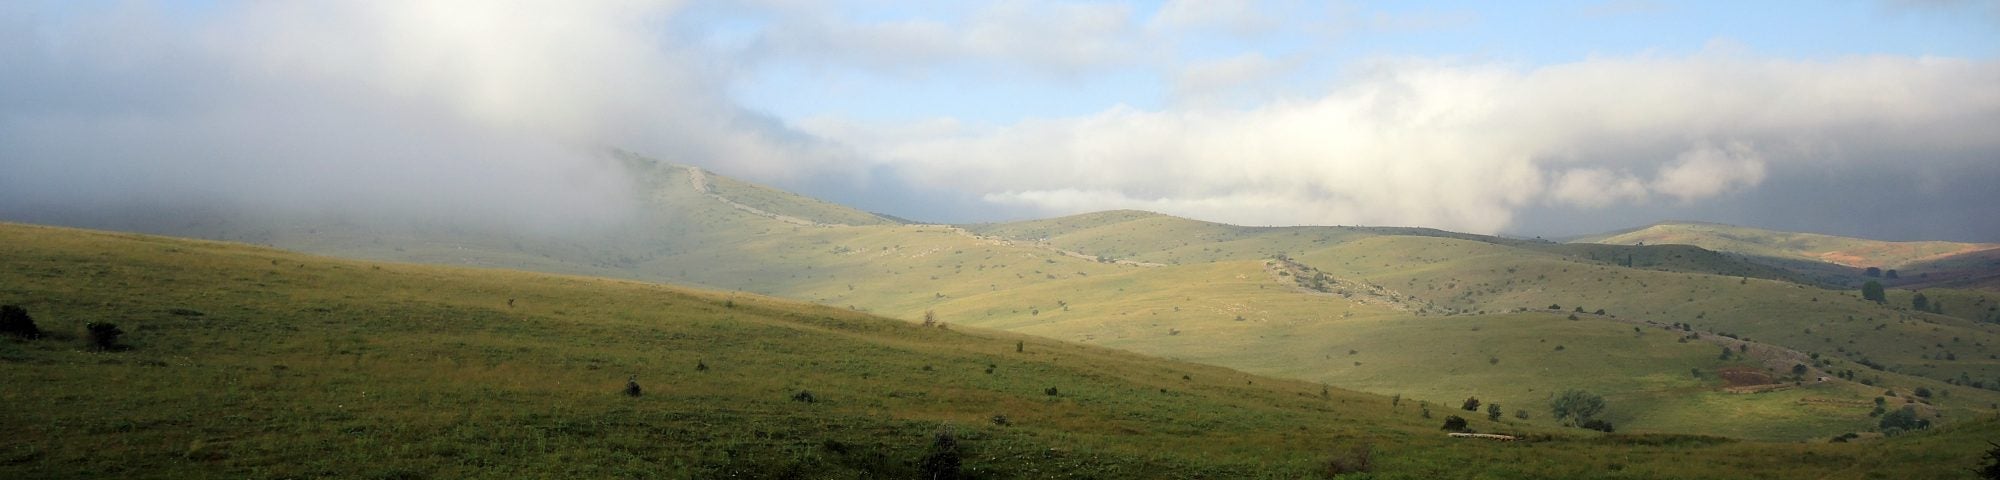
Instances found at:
x=1878 y=119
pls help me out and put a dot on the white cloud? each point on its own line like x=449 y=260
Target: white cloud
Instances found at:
x=1707 y=171
x=1465 y=147
x=1241 y=17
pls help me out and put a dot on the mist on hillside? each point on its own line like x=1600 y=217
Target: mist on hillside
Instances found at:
x=498 y=114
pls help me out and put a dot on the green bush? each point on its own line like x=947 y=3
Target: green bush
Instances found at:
x=104 y=335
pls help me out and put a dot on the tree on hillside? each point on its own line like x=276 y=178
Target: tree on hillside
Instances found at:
x=1471 y=404
x=1872 y=291
x=1920 y=303
x=1872 y=272
x=1991 y=471
x=1493 y=412
x=1890 y=274
x=1576 y=406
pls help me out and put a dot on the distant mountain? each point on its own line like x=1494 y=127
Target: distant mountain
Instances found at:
x=1920 y=263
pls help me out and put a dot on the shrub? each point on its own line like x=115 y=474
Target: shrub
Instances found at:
x=632 y=387
x=700 y=366
x=942 y=463
x=104 y=335
x=1903 y=419
x=1493 y=412
x=15 y=321
x=1357 y=458
x=1471 y=404
x=1051 y=391
x=1991 y=471
x=1454 y=423
x=1001 y=420
x=1521 y=414
x=805 y=396
x=1598 y=425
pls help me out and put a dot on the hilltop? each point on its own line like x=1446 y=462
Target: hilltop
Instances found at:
x=1829 y=256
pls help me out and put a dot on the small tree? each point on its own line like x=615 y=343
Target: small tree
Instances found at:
x=15 y=321
x=1493 y=412
x=1872 y=291
x=930 y=318
x=1471 y=404
x=1903 y=419
x=1576 y=405
x=1992 y=469
x=1920 y=303
x=1889 y=274
x=1872 y=272
x=1454 y=423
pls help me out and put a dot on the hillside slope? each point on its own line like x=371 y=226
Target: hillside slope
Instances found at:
x=1837 y=250
x=246 y=361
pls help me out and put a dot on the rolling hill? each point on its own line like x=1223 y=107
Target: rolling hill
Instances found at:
x=1432 y=315
x=243 y=361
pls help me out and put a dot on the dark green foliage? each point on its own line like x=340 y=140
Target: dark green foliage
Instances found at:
x=1454 y=423
x=805 y=396
x=1890 y=274
x=1471 y=404
x=1920 y=303
x=700 y=366
x=1576 y=405
x=632 y=387
x=15 y=321
x=1991 y=471
x=1001 y=420
x=1019 y=346
x=1924 y=392
x=1872 y=272
x=1493 y=412
x=104 y=335
x=1598 y=425
x=1799 y=369
x=1872 y=291
x=1051 y=391
x=1901 y=420
x=943 y=462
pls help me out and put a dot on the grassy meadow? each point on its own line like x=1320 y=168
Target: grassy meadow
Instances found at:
x=246 y=362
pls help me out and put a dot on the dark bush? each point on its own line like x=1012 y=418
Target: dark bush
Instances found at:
x=700 y=366
x=1454 y=423
x=1001 y=420
x=1357 y=458
x=1598 y=425
x=1471 y=404
x=942 y=463
x=1051 y=391
x=805 y=396
x=632 y=387
x=1991 y=471
x=15 y=321
x=104 y=335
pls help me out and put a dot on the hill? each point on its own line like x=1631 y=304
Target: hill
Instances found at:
x=1346 y=306
x=246 y=361
x=1795 y=247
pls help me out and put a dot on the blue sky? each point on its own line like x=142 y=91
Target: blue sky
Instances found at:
x=1867 y=118
x=1324 y=40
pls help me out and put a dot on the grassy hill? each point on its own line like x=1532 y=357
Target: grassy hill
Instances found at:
x=250 y=362
x=1436 y=316
x=1808 y=251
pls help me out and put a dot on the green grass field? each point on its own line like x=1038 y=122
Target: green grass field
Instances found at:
x=1407 y=299
x=246 y=362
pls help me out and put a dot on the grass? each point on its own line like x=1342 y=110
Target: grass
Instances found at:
x=250 y=362
x=1402 y=283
